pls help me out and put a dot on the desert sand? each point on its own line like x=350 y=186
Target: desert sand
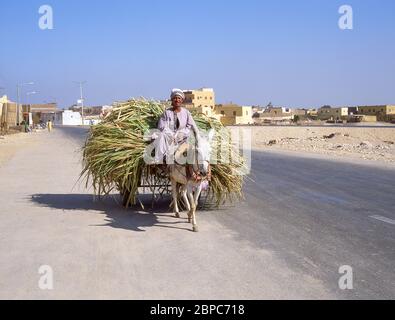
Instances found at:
x=377 y=144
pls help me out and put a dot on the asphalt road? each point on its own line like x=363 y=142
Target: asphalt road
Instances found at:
x=303 y=218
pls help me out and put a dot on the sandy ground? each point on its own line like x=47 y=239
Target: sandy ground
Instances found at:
x=10 y=144
x=377 y=144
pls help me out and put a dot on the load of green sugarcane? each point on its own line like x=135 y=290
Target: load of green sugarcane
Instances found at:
x=113 y=154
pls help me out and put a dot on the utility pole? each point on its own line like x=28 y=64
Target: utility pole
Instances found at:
x=29 y=106
x=17 y=104
x=4 y=111
x=81 y=83
x=18 y=88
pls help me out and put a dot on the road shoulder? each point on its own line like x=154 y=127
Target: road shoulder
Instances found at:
x=10 y=145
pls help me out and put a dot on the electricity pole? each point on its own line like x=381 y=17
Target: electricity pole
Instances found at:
x=30 y=107
x=18 y=88
x=81 y=83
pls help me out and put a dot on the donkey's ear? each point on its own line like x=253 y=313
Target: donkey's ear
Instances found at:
x=211 y=134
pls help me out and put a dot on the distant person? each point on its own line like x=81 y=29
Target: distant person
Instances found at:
x=25 y=125
x=49 y=125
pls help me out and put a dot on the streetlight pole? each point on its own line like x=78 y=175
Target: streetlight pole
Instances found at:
x=81 y=83
x=17 y=104
x=18 y=88
x=27 y=102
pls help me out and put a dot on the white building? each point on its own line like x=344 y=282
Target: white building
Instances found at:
x=68 y=118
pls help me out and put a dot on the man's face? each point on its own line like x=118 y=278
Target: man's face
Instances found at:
x=177 y=101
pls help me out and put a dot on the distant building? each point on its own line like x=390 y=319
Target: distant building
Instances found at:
x=40 y=112
x=233 y=114
x=335 y=114
x=44 y=108
x=312 y=113
x=258 y=109
x=92 y=115
x=275 y=114
x=3 y=100
x=8 y=113
x=382 y=112
x=89 y=111
x=201 y=101
x=361 y=118
x=299 y=113
x=278 y=112
x=352 y=110
x=67 y=118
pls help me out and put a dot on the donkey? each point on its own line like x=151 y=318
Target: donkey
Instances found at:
x=189 y=188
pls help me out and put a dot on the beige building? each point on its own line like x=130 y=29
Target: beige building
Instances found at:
x=45 y=108
x=299 y=112
x=327 y=113
x=275 y=114
x=202 y=101
x=8 y=113
x=312 y=113
x=3 y=100
x=233 y=114
x=361 y=118
x=382 y=112
x=40 y=112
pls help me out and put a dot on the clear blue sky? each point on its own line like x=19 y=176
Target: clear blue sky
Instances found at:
x=251 y=52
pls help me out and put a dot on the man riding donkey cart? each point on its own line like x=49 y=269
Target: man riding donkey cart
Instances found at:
x=192 y=172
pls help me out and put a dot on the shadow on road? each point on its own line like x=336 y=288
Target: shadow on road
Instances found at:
x=134 y=218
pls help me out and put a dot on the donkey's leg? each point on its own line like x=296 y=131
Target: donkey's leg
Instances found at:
x=197 y=193
x=196 y=196
x=186 y=201
x=193 y=208
x=188 y=189
x=175 y=198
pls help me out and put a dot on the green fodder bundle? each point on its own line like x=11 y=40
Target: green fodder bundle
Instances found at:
x=113 y=154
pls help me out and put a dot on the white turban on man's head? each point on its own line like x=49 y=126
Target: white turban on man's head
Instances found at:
x=177 y=92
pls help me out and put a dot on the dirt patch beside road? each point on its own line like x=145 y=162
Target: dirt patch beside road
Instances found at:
x=10 y=144
x=376 y=144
